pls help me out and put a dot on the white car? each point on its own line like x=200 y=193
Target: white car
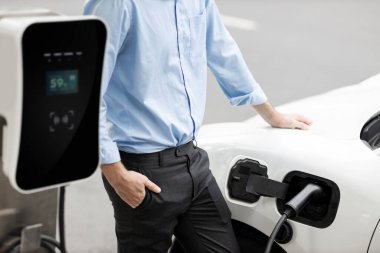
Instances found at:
x=345 y=217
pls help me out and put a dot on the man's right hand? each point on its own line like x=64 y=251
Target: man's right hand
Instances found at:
x=129 y=185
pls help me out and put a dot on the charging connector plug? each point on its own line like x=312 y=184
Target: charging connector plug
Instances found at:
x=297 y=203
x=293 y=208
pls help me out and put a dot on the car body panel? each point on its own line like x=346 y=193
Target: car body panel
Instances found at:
x=330 y=149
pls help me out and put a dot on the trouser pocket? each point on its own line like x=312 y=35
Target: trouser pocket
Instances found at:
x=118 y=201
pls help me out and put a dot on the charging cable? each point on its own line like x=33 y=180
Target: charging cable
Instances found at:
x=47 y=242
x=61 y=219
x=293 y=208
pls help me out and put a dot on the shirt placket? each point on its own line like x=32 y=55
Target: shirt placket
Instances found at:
x=183 y=34
x=183 y=30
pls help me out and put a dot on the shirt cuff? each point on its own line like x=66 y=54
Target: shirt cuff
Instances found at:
x=109 y=153
x=257 y=97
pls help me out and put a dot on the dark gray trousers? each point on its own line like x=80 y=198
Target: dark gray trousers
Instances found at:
x=190 y=205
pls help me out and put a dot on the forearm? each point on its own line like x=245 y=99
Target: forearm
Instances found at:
x=267 y=112
x=112 y=171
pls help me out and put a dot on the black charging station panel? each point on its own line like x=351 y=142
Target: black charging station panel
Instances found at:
x=62 y=66
x=319 y=212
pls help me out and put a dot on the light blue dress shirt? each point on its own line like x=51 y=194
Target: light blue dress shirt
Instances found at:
x=155 y=73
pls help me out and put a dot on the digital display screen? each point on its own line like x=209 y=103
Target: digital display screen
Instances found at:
x=62 y=82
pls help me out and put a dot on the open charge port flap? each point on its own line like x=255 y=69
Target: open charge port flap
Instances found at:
x=320 y=212
x=239 y=176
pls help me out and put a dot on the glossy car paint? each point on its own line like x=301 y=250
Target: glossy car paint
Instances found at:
x=331 y=149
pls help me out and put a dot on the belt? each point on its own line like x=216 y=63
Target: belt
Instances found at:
x=161 y=157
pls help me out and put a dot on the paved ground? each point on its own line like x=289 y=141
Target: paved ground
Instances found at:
x=295 y=48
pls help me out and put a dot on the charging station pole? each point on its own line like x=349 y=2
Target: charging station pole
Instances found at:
x=18 y=210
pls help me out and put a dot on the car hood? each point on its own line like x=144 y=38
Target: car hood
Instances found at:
x=340 y=113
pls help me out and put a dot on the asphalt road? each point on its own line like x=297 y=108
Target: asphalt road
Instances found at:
x=295 y=48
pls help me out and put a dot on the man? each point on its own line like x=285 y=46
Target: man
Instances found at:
x=154 y=99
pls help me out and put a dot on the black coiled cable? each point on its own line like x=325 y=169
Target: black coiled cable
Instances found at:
x=47 y=242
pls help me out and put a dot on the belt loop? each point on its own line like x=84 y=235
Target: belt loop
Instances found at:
x=160 y=160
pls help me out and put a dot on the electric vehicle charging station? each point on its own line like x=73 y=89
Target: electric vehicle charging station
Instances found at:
x=50 y=68
x=226 y=153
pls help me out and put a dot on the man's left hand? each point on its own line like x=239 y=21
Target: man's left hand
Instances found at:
x=292 y=121
x=280 y=120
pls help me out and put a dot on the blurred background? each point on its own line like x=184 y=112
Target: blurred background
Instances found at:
x=295 y=49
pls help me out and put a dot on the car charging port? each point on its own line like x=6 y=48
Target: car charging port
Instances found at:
x=320 y=212
x=301 y=197
x=248 y=181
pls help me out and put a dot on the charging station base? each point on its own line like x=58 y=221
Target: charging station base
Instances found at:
x=19 y=210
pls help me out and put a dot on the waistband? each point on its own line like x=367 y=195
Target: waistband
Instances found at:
x=159 y=158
